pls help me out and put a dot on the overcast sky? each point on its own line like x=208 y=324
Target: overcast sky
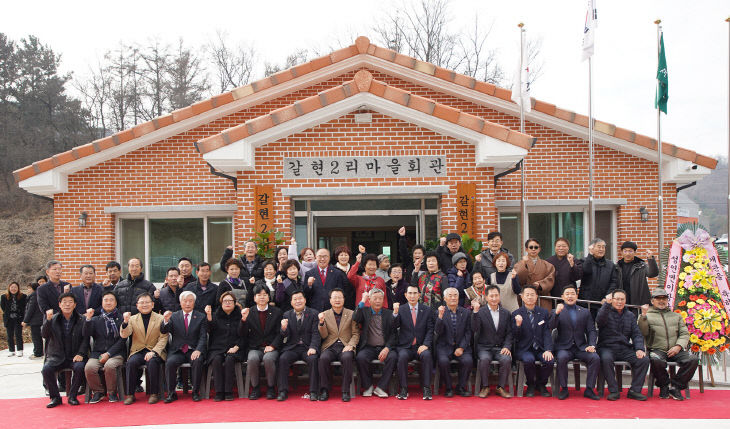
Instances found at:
x=695 y=37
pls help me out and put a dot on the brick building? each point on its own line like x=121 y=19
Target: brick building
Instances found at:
x=345 y=149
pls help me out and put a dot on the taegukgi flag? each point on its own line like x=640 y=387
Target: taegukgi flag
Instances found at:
x=521 y=83
x=589 y=30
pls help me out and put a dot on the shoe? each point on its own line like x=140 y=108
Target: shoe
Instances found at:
x=676 y=394
x=218 y=397
x=614 y=396
x=228 y=396
x=380 y=393
x=345 y=396
x=153 y=399
x=664 y=392
x=530 y=392
x=254 y=394
x=590 y=394
x=19 y=353
x=54 y=402
x=563 y=394
x=171 y=397
x=129 y=400
x=140 y=389
x=113 y=397
x=484 y=392
x=282 y=396
x=449 y=393
x=72 y=400
x=271 y=392
x=324 y=395
x=503 y=393
x=34 y=357
x=543 y=391
x=427 y=395
x=313 y=396
x=403 y=394
x=178 y=386
x=11 y=354
x=636 y=395
x=96 y=398
x=368 y=392
x=464 y=393
x=196 y=396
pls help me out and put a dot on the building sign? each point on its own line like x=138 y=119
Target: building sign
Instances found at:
x=264 y=208
x=466 y=207
x=382 y=166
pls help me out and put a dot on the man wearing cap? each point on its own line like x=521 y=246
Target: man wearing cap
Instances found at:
x=633 y=272
x=667 y=338
x=448 y=247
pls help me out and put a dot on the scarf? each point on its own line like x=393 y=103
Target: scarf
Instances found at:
x=370 y=280
x=235 y=282
x=270 y=283
x=111 y=324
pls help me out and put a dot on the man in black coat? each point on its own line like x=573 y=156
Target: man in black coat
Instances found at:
x=415 y=341
x=600 y=275
x=205 y=291
x=88 y=293
x=448 y=247
x=453 y=341
x=108 y=350
x=133 y=286
x=33 y=318
x=189 y=329
x=49 y=292
x=576 y=339
x=319 y=281
x=492 y=327
x=66 y=347
x=633 y=273
x=619 y=338
x=377 y=341
x=301 y=342
x=253 y=264
x=261 y=326
x=533 y=341
x=171 y=290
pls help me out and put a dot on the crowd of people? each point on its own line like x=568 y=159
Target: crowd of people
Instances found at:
x=439 y=308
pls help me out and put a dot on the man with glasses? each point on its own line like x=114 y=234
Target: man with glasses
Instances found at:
x=600 y=275
x=484 y=261
x=321 y=280
x=667 y=338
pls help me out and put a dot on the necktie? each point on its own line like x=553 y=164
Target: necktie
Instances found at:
x=323 y=275
x=185 y=346
x=532 y=325
x=299 y=322
x=413 y=317
x=453 y=324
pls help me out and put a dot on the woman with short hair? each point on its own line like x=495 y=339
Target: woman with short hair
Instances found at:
x=13 y=304
x=226 y=347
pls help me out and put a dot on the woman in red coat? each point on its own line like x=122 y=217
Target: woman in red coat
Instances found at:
x=368 y=280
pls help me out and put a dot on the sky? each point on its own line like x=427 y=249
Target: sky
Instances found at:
x=624 y=66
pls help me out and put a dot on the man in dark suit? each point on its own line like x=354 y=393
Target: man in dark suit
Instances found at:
x=377 y=341
x=189 y=329
x=576 y=339
x=534 y=342
x=493 y=329
x=318 y=282
x=261 y=326
x=453 y=341
x=49 y=292
x=205 y=291
x=415 y=340
x=302 y=340
x=88 y=293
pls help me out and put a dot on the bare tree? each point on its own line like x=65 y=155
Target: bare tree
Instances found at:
x=188 y=78
x=479 y=61
x=233 y=64
x=96 y=96
x=295 y=58
x=155 y=73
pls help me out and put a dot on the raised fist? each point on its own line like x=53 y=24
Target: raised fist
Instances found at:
x=644 y=309
x=571 y=259
x=442 y=241
x=293 y=241
x=396 y=306
x=321 y=317
x=284 y=324
x=360 y=248
x=310 y=282
x=244 y=314
x=252 y=279
x=518 y=320
x=89 y=313
x=67 y=289
x=167 y=316
x=358 y=258
x=208 y=310
x=525 y=257
x=229 y=247
x=49 y=314
x=442 y=310
x=478 y=257
x=106 y=282
x=278 y=278
x=459 y=273
x=126 y=316
x=157 y=294
x=402 y=231
x=559 y=308
x=475 y=306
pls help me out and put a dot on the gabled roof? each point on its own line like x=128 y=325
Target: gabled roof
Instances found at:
x=183 y=118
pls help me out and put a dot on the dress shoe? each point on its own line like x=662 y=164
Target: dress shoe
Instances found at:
x=254 y=394
x=11 y=354
x=503 y=393
x=380 y=393
x=324 y=395
x=54 y=403
x=218 y=397
x=449 y=393
x=664 y=392
x=19 y=353
x=484 y=392
x=403 y=394
x=129 y=400
x=153 y=399
x=464 y=393
x=196 y=396
x=96 y=398
x=591 y=394
x=228 y=396
x=313 y=396
x=636 y=395
x=563 y=394
x=113 y=397
x=530 y=392
x=271 y=392
x=171 y=397
x=140 y=389
x=427 y=395
x=345 y=396
x=368 y=392
x=72 y=400
x=543 y=391
x=282 y=396
x=676 y=394
x=613 y=396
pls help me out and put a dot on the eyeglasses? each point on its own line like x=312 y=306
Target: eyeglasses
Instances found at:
x=533 y=247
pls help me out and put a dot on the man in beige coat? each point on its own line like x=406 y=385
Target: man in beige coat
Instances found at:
x=536 y=272
x=340 y=335
x=148 y=347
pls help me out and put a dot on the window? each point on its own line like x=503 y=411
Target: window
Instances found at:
x=161 y=241
x=547 y=227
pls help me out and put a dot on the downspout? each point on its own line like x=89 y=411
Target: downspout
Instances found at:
x=688 y=185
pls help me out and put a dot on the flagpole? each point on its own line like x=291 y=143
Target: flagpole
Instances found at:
x=523 y=203
x=660 y=198
x=591 y=208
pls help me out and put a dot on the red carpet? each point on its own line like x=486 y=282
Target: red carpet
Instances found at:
x=713 y=404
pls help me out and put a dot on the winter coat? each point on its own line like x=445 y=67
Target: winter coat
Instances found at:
x=599 y=277
x=618 y=330
x=638 y=287
x=129 y=289
x=663 y=329
x=564 y=273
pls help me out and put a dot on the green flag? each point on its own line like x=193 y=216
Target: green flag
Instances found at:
x=662 y=89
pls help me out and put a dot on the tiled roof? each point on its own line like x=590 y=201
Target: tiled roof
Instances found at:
x=364 y=82
x=361 y=46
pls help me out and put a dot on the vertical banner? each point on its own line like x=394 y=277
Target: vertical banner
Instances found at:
x=466 y=204
x=264 y=208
